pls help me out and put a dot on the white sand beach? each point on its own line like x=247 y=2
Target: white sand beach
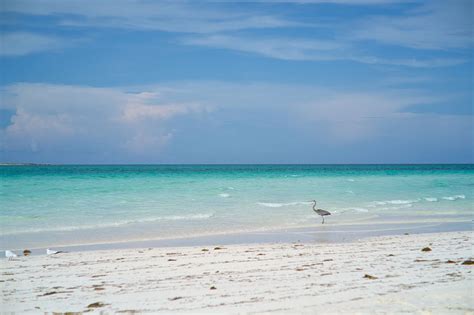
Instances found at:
x=388 y=274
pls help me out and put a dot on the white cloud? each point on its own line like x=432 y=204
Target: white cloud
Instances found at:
x=434 y=25
x=144 y=142
x=310 y=49
x=302 y=102
x=410 y=62
x=113 y=124
x=138 y=108
x=170 y=16
x=280 y=48
x=345 y=2
x=357 y=115
x=100 y=119
x=24 y=43
x=437 y=25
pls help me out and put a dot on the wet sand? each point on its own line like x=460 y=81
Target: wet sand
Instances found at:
x=384 y=274
x=318 y=233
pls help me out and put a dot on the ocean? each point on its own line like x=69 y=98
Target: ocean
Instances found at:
x=82 y=204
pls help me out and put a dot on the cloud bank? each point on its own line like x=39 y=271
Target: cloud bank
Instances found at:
x=102 y=122
x=216 y=122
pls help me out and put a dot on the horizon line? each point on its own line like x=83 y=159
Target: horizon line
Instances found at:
x=217 y=164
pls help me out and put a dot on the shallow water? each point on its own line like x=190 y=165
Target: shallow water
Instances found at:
x=66 y=205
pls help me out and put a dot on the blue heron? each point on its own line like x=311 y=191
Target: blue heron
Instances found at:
x=321 y=212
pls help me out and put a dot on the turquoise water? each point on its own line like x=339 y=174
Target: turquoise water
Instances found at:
x=80 y=204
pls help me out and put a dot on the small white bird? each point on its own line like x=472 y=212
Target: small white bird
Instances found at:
x=52 y=252
x=10 y=255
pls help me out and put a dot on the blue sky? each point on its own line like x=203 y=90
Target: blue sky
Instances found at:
x=309 y=81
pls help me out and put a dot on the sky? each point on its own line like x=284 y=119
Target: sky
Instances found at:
x=264 y=81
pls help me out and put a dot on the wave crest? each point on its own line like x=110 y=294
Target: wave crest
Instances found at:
x=351 y=209
x=197 y=216
x=456 y=197
x=279 y=205
x=395 y=202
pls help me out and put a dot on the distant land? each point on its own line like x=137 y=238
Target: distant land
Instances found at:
x=20 y=164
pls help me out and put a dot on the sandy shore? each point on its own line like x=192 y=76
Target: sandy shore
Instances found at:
x=388 y=274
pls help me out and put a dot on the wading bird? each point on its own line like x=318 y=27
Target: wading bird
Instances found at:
x=53 y=252
x=321 y=212
x=10 y=255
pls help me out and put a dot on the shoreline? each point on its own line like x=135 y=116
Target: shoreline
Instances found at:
x=328 y=233
x=384 y=273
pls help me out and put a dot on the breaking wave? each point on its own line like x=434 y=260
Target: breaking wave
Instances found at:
x=412 y=201
x=395 y=202
x=279 y=205
x=351 y=209
x=198 y=216
x=456 y=197
x=404 y=206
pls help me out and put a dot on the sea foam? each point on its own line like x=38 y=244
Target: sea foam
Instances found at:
x=279 y=205
x=190 y=217
x=395 y=202
x=456 y=197
x=351 y=209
